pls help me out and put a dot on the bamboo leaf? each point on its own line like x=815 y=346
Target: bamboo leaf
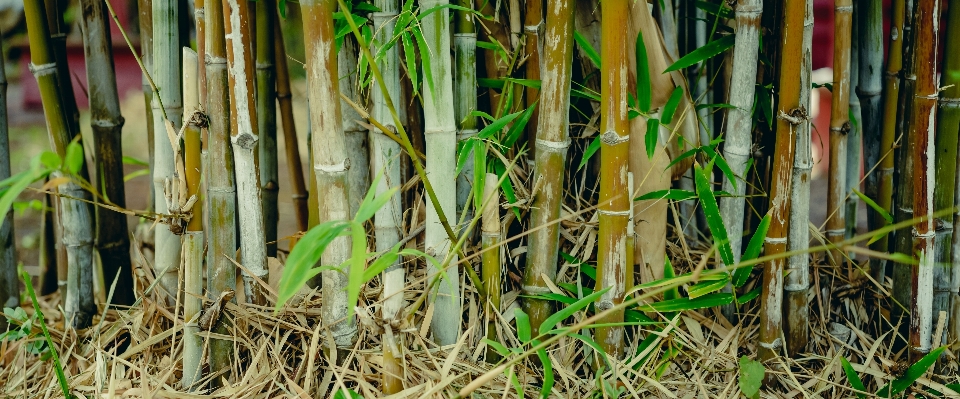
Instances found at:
x=491 y=83
x=127 y=160
x=712 y=212
x=682 y=304
x=587 y=48
x=591 y=149
x=506 y=186
x=751 y=377
x=532 y=83
x=672 y=103
x=588 y=94
x=424 y=57
x=705 y=287
x=351 y=394
x=385 y=260
x=749 y=296
x=74 y=158
x=715 y=9
x=519 y=125
x=652 y=136
x=670 y=193
x=721 y=163
x=502 y=350
x=373 y=202
x=411 y=58
x=669 y=274
x=464 y=148
x=720 y=105
x=547 y=371
x=915 y=371
x=523 y=325
x=497 y=125
x=590 y=342
x=644 y=92
x=853 y=378
x=876 y=207
x=703 y=53
x=304 y=256
x=358 y=262
x=480 y=174
x=752 y=252
x=568 y=311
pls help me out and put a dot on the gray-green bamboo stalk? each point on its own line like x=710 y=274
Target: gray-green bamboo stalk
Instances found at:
x=869 y=90
x=146 y=57
x=9 y=283
x=356 y=134
x=949 y=127
x=267 y=121
x=193 y=238
x=465 y=49
x=854 y=138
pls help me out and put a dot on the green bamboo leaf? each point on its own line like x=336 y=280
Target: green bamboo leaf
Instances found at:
x=531 y=83
x=128 y=160
x=752 y=252
x=282 y=8
x=506 y=186
x=373 y=202
x=425 y=57
x=299 y=267
x=853 y=378
x=764 y=102
x=644 y=92
x=720 y=105
x=876 y=207
x=351 y=394
x=591 y=149
x=705 y=287
x=491 y=83
x=670 y=193
x=915 y=371
x=50 y=160
x=669 y=274
x=899 y=257
x=549 y=296
x=9 y=195
x=365 y=7
x=523 y=325
x=712 y=212
x=587 y=48
x=682 y=304
x=568 y=311
x=464 y=148
x=502 y=350
x=703 y=53
x=751 y=377
x=480 y=174
x=685 y=155
x=652 y=136
x=385 y=260
x=749 y=296
x=721 y=163
x=497 y=125
x=519 y=125
x=715 y=9
x=358 y=262
x=74 y=159
x=484 y=115
x=955 y=387
x=672 y=103
x=547 y=371
x=587 y=94
x=590 y=342
x=411 y=59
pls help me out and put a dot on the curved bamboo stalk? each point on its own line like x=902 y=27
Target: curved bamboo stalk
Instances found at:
x=840 y=129
x=791 y=114
x=796 y=283
x=244 y=140
x=9 y=283
x=330 y=160
x=193 y=239
x=112 y=241
x=922 y=133
x=614 y=207
x=950 y=116
x=298 y=187
x=553 y=141
x=738 y=140
x=869 y=90
x=465 y=48
x=267 y=120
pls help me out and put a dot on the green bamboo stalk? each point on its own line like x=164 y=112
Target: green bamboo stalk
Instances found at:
x=950 y=116
x=298 y=186
x=870 y=89
x=330 y=161
x=614 y=207
x=922 y=128
x=553 y=140
x=796 y=284
x=840 y=129
x=465 y=95
x=9 y=284
x=74 y=215
x=221 y=188
x=491 y=235
x=854 y=138
x=440 y=132
x=267 y=119
x=738 y=140
x=112 y=241
x=193 y=242
x=146 y=57
x=791 y=115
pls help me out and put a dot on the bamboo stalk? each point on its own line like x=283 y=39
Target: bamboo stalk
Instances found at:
x=146 y=57
x=922 y=133
x=614 y=207
x=267 y=120
x=797 y=281
x=738 y=140
x=552 y=141
x=244 y=139
x=385 y=156
x=440 y=131
x=221 y=188
x=791 y=115
x=9 y=283
x=490 y=248
x=298 y=186
x=950 y=116
x=48 y=250
x=74 y=215
x=532 y=25
x=58 y=37
x=495 y=63
x=869 y=90
x=106 y=123
x=854 y=138
x=330 y=160
x=358 y=149
x=465 y=95
x=193 y=242
x=840 y=128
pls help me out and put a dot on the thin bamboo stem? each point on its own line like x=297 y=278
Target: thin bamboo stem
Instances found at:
x=855 y=137
x=146 y=57
x=267 y=120
x=298 y=187
x=922 y=133
x=9 y=283
x=949 y=124
x=840 y=128
x=465 y=95
x=491 y=236
x=870 y=90
x=791 y=115
x=106 y=123
x=532 y=26
x=193 y=239
x=495 y=62
x=553 y=142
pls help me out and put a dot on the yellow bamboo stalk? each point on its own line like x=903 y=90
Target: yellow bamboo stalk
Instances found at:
x=839 y=128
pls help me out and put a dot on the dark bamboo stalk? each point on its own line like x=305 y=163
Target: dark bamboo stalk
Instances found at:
x=146 y=57
x=840 y=129
x=870 y=31
x=267 y=119
x=9 y=283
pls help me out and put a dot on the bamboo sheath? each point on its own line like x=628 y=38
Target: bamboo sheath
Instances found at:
x=949 y=124
x=9 y=283
x=298 y=187
x=869 y=91
x=193 y=242
x=465 y=95
x=552 y=142
x=266 y=77
x=840 y=128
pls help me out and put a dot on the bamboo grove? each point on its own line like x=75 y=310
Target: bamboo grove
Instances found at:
x=574 y=171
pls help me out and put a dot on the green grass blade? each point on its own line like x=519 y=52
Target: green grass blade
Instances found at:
x=913 y=373
x=853 y=378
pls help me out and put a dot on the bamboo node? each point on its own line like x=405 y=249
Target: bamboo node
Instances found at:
x=775 y=240
x=946 y=102
x=553 y=146
x=533 y=289
x=776 y=344
x=796 y=287
x=246 y=141
x=43 y=69
x=343 y=166
x=262 y=66
x=612 y=138
x=795 y=117
x=843 y=8
x=614 y=213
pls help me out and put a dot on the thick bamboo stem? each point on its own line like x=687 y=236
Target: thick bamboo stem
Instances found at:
x=949 y=125
x=791 y=115
x=532 y=26
x=193 y=239
x=267 y=120
x=298 y=187
x=330 y=160
x=840 y=128
x=869 y=90
x=465 y=95
x=796 y=283
x=922 y=133
x=552 y=141
x=106 y=123
x=615 y=203
x=357 y=136
x=491 y=236
x=737 y=147
x=440 y=131
x=9 y=284
x=244 y=140
x=221 y=189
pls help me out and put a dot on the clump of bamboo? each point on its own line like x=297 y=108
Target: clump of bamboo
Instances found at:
x=243 y=124
x=796 y=283
x=840 y=128
x=330 y=162
x=193 y=242
x=949 y=124
x=465 y=48
x=298 y=186
x=9 y=284
x=440 y=131
x=737 y=144
x=267 y=120
x=74 y=214
x=922 y=133
x=615 y=203
x=220 y=187
x=552 y=141
x=490 y=246
x=106 y=123
x=869 y=90
x=791 y=115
